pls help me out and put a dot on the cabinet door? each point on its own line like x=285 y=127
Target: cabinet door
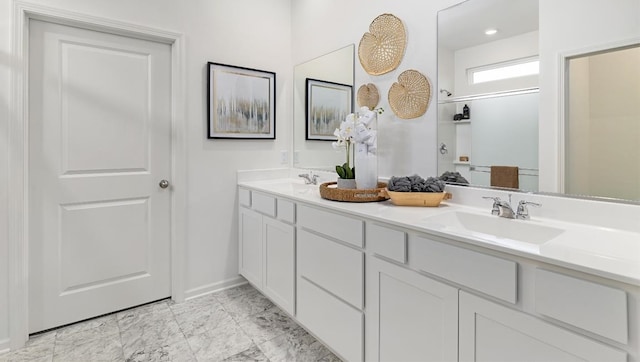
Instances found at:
x=492 y=332
x=250 y=229
x=410 y=317
x=279 y=262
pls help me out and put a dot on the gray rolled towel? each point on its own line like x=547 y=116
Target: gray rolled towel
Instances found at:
x=433 y=184
x=399 y=184
x=415 y=183
x=453 y=177
x=418 y=184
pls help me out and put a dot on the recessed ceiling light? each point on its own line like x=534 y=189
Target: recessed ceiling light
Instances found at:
x=491 y=31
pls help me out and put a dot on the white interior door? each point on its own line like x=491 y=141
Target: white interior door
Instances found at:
x=99 y=143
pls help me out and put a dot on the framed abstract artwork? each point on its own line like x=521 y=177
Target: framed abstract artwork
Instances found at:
x=241 y=102
x=327 y=104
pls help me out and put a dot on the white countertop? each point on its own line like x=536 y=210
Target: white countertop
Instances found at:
x=598 y=250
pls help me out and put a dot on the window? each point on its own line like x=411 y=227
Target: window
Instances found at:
x=507 y=70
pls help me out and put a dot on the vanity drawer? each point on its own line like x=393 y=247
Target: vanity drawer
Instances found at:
x=341 y=227
x=334 y=267
x=594 y=307
x=485 y=273
x=263 y=203
x=244 y=197
x=336 y=323
x=286 y=211
x=387 y=242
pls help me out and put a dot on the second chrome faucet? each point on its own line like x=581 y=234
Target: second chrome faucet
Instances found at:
x=502 y=208
x=309 y=178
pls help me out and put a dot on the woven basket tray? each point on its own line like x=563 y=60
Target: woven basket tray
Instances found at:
x=352 y=195
x=430 y=199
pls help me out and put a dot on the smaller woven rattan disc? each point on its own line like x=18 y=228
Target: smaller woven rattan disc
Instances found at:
x=409 y=97
x=368 y=96
x=382 y=48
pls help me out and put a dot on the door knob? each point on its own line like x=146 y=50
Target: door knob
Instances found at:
x=164 y=184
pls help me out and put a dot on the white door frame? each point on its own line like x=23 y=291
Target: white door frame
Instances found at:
x=18 y=142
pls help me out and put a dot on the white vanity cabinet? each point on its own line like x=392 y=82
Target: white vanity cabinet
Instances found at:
x=431 y=299
x=250 y=248
x=410 y=317
x=330 y=293
x=377 y=290
x=492 y=332
x=267 y=246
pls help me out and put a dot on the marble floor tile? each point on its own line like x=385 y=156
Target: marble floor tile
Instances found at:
x=47 y=358
x=330 y=358
x=104 y=336
x=200 y=315
x=252 y=354
x=268 y=325
x=157 y=310
x=177 y=352
x=38 y=348
x=245 y=304
x=94 y=348
x=150 y=332
x=219 y=343
x=231 y=293
x=102 y=323
x=299 y=347
x=237 y=324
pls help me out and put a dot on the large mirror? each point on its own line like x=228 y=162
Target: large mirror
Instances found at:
x=488 y=92
x=495 y=62
x=337 y=68
x=603 y=124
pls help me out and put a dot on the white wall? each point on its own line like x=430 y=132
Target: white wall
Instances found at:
x=5 y=60
x=405 y=146
x=249 y=33
x=571 y=26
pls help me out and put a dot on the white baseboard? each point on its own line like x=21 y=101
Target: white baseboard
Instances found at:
x=4 y=346
x=214 y=287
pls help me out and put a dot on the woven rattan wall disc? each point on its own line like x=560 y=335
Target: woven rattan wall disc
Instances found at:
x=368 y=96
x=409 y=97
x=382 y=48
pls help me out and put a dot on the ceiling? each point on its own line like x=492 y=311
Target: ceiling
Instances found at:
x=461 y=27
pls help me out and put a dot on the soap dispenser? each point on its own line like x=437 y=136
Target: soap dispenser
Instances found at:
x=465 y=112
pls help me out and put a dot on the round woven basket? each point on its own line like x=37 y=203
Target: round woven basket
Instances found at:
x=430 y=199
x=329 y=191
x=409 y=97
x=368 y=96
x=382 y=48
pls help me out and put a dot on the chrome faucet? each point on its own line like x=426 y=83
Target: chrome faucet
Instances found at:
x=501 y=207
x=523 y=211
x=309 y=178
x=495 y=209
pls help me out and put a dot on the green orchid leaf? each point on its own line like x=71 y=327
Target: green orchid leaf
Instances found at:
x=340 y=171
x=349 y=172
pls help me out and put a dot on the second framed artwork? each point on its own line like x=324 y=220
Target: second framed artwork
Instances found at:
x=240 y=102
x=327 y=105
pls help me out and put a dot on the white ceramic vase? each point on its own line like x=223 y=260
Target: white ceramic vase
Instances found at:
x=366 y=164
x=346 y=183
x=366 y=158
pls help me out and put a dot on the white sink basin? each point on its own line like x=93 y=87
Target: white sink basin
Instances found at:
x=293 y=186
x=522 y=234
